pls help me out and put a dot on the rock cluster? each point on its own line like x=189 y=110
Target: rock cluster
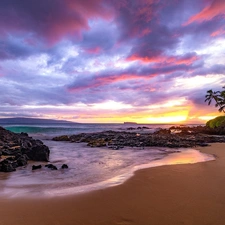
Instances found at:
x=197 y=130
x=174 y=137
x=138 y=128
x=17 y=149
x=49 y=166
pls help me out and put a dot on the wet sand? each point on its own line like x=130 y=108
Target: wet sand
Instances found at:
x=192 y=194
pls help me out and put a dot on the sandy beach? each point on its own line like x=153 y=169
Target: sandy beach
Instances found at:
x=167 y=195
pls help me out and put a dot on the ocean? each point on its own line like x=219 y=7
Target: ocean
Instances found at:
x=89 y=168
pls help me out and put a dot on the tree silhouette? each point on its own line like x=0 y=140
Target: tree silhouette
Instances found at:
x=218 y=97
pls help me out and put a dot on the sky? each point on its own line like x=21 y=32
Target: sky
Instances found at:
x=110 y=61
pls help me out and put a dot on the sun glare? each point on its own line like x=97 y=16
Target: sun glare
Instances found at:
x=167 y=119
x=174 y=117
x=206 y=118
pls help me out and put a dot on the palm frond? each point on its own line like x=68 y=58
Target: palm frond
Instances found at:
x=218 y=97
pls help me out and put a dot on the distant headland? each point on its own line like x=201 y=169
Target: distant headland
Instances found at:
x=24 y=120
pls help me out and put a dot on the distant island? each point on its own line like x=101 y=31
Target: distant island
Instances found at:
x=24 y=120
x=130 y=123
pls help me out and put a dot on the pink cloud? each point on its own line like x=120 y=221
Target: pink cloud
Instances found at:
x=209 y=12
x=75 y=18
x=84 y=82
x=145 y=59
x=52 y=22
x=145 y=31
x=117 y=78
x=219 y=32
x=185 y=59
x=95 y=50
x=106 y=80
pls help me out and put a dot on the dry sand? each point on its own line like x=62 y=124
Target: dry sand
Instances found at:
x=191 y=194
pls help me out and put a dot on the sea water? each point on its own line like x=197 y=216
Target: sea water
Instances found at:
x=89 y=168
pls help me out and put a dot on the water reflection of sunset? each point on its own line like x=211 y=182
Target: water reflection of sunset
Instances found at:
x=187 y=156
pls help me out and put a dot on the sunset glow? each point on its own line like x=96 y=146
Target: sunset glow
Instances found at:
x=108 y=62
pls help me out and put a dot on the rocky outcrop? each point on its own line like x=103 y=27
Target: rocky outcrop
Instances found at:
x=61 y=138
x=186 y=130
x=18 y=148
x=174 y=137
x=97 y=143
x=138 y=128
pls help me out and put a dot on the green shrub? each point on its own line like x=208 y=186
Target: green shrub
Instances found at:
x=216 y=122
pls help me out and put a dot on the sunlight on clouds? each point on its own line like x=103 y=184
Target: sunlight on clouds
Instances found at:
x=120 y=63
x=108 y=105
x=69 y=52
x=33 y=63
x=116 y=112
x=37 y=65
x=65 y=107
x=206 y=118
x=216 y=49
x=101 y=63
x=168 y=104
x=112 y=105
x=194 y=82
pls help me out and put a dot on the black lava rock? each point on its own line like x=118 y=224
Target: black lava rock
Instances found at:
x=64 y=166
x=51 y=166
x=22 y=160
x=34 y=167
x=37 y=152
x=7 y=166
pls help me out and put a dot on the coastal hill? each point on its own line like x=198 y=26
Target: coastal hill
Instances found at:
x=24 y=120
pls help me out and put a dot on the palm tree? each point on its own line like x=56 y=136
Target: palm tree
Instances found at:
x=218 y=96
x=222 y=102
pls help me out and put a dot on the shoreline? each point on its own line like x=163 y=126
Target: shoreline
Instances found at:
x=178 y=194
x=67 y=188
x=187 y=156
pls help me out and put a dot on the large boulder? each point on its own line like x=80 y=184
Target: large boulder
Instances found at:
x=7 y=166
x=20 y=148
x=37 y=152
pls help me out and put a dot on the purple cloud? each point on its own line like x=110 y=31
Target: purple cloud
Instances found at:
x=68 y=52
